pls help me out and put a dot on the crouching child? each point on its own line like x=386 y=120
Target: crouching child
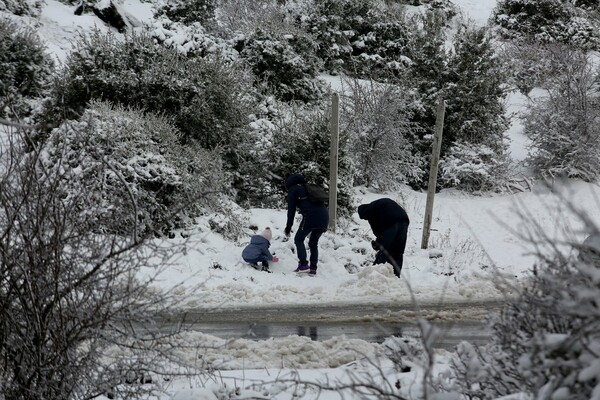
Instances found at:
x=257 y=251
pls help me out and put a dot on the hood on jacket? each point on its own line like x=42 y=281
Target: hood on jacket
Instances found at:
x=258 y=240
x=364 y=211
x=294 y=179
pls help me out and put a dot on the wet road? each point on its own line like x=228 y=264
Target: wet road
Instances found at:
x=371 y=322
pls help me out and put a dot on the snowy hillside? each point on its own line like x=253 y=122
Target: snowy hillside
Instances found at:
x=476 y=236
x=482 y=247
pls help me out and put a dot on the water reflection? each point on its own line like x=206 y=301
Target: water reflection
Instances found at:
x=312 y=332
x=452 y=334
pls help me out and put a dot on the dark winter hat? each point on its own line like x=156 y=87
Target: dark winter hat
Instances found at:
x=267 y=234
x=294 y=179
x=364 y=210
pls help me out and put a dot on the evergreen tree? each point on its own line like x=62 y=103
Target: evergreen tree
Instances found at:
x=25 y=68
x=474 y=91
x=279 y=69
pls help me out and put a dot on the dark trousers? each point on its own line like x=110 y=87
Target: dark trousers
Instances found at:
x=392 y=245
x=313 y=244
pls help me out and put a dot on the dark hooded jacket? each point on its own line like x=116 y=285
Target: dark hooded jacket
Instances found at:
x=315 y=216
x=382 y=214
x=257 y=250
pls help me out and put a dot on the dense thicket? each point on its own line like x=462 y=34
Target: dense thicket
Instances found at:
x=206 y=98
x=550 y=21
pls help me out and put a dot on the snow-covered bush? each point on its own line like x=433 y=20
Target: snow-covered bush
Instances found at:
x=376 y=121
x=279 y=69
x=136 y=166
x=361 y=37
x=22 y=7
x=473 y=168
x=546 y=342
x=548 y=21
x=191 y=40
x=77 y=304
x=247 y=16
x=564 y=125
x=207 y=99
x=25 y=68
x=188 y=11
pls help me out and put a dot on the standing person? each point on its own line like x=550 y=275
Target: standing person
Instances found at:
x=389 y=223
x=315 y=218
x=257 y=251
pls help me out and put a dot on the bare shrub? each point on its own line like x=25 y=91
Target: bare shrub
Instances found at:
x=72 y=299
x=380 y=133
x=545 y=342
x=564 y=125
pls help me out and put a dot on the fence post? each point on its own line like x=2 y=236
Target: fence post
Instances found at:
x=333 y=160
x=433 y=170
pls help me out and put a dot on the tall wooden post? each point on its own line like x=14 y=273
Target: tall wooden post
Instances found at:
x=333 y=160
x=433 y=170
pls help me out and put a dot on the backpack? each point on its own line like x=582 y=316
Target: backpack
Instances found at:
x=316 y=193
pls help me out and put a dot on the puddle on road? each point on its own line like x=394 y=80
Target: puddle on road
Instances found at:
x=452 y=334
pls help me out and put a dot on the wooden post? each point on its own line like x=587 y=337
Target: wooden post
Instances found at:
x=333 y=160
x=433 y=170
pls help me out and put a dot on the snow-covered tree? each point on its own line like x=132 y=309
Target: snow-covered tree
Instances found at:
x=474 y=92
x=549 y=21
x=279 y=69
x=471 y=79
x=361 y=38
x=564 y=125
x=25 y=68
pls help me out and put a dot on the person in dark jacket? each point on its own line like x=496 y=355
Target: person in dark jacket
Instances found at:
x=389 y=223
x=315 y=219
x=257 y=251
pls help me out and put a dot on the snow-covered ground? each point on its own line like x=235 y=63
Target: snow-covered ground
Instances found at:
x=476 y=237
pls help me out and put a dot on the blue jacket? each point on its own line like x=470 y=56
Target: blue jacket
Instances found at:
x=314 y=216
x=257 y=250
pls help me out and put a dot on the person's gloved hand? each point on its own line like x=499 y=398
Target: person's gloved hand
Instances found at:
x=287 y=231
x=375 y=245
x=275 y=259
